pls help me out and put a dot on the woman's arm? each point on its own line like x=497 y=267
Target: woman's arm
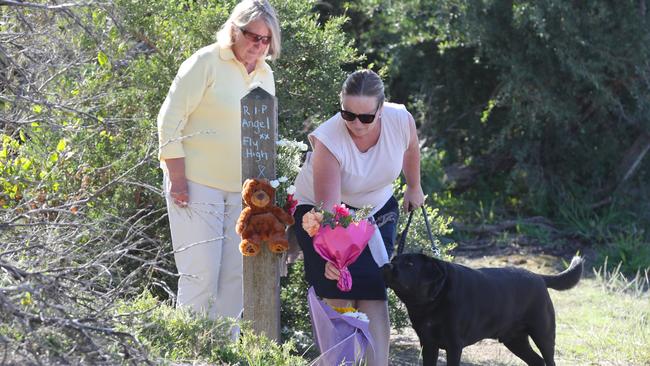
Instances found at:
x=413 y=196
x=327 y=187
x=327 y=176
x=178 y=189
x=184 y=96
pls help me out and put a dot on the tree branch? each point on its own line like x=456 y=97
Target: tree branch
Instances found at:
x=43 y=6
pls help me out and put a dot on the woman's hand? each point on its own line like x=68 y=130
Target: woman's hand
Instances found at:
x=178 y=190
x=331 y=273
x=413 y=198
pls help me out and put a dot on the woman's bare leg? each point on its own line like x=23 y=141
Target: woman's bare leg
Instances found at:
x=340 y=303
x=377 y=312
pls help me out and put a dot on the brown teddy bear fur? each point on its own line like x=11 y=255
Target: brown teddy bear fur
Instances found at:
x=262 y=222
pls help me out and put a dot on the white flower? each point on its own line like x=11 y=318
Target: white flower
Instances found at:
x=291 y=189
x=283 y=179
x=357 y=315
x=293 y=144
x=275 y=183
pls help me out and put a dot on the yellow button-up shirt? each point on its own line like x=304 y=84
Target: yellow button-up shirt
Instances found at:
x=200 y=119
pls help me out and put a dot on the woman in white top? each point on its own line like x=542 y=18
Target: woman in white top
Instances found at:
x=357 y=154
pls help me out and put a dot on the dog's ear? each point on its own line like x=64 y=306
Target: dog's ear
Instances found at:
x=438 y=280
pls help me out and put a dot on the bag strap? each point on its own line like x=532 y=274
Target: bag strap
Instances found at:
x=402 y=237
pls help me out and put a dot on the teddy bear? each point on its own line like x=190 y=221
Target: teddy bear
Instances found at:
x=262 y=222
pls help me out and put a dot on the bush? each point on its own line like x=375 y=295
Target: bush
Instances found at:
x=179 y=335
x=628 y=251
x=296 y=323
x=526 y=95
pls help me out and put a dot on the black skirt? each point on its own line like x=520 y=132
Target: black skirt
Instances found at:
x=367 y=281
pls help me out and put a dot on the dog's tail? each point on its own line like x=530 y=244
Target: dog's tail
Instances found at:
x=568 y=278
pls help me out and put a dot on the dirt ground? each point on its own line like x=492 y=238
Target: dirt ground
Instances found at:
x=546 y=259
x=405 y=352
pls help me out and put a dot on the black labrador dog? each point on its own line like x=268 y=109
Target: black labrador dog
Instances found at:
x=452 y=306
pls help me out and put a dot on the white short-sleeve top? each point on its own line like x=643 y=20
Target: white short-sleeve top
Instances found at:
x=366 y=177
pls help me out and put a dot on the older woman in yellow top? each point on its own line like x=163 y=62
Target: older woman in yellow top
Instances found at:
x=200 y=153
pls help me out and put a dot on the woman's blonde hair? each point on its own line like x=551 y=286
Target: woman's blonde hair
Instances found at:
x=246 y=12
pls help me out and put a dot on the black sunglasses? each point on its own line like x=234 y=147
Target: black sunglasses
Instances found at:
x=254 y=37
x=363 y=118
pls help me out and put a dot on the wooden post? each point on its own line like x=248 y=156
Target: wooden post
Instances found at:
x=259 y=132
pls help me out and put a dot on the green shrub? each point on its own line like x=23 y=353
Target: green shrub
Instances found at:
x=179 y=335
x=612 y=230
x=529 y=95
x=296 y=323
x=630 y=251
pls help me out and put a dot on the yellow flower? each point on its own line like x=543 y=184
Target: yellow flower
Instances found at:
x=26 y=299
x=344 y=310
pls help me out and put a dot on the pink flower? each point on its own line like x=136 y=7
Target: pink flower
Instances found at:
x=311 y=222
x=340 y=211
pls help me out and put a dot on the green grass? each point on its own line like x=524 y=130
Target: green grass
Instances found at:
x=596 y=326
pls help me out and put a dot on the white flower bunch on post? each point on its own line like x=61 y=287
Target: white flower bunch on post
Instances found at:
x=284 y=194
x=298 y=145
x=290 y=154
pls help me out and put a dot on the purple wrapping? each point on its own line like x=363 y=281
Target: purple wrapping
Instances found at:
x=342 y=340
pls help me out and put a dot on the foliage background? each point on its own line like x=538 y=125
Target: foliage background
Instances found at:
x=530 y=109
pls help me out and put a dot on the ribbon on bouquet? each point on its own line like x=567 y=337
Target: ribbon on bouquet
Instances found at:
x=378 y=248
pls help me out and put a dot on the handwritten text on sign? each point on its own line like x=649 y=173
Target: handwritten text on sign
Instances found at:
x=258 y=134
x=259 y=123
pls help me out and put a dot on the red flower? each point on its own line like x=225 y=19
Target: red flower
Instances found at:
x=290 y=205
x=340 y=211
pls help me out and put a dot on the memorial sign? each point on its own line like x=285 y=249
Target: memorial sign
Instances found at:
x=259 y=117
